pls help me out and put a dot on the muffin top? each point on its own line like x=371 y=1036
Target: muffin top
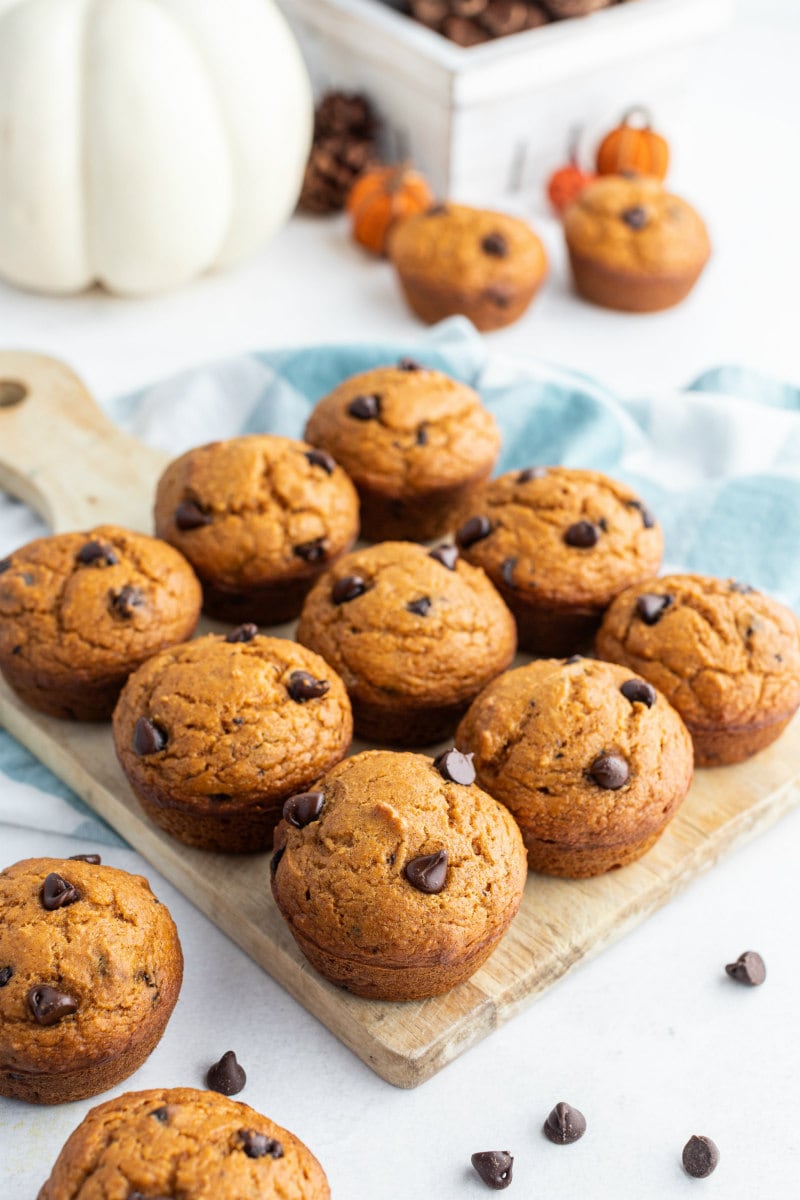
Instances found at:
x=96 y=602
x=397 y=622
x=721 y=652
x=405 y=429
x=256 y=508
x=633 y=225
x=232 y=719
x=582 y=752
x=183 y=1142
x=562 y=535
x=86 y=955
x=399 y=861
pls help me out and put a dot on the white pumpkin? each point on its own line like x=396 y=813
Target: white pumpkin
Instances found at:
x=145 y=141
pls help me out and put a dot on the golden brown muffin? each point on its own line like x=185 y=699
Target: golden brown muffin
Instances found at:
x=453 y=259
x=415 y=635
x=416 y=443
x=634 y=246
x=559 y=544
x=80 y=611
x=90 y=970
x=259 y=518
x=591 y=761
x=726 y=657
x=185 y=1143
x=215 y=734
x=397 y=876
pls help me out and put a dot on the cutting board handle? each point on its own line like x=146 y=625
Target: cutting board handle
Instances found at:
x=63 y=456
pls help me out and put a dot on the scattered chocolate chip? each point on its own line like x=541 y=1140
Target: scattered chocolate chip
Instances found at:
x=410 y=364
x=348 y=588
x=650 y=607
x=5 y=565
x=94 y=859
x=275 y=860
x=302 y=809
x=610 y=771
x=564 y=1124
x=422 y=436
x=242 y=633
x=639 y=690
x=96 y=554
x=420 y=607
x=507 y=568
x=700 y=1157
x=365 y=408
x=749 y=968
x=456 y=767
x=321 y=458
x=57 y=892
x=634 y=218
x=48 y=1006
x=472 y=531
x=531 y=473
x=743 y=589
x=495 y=245
x=494 y=1168
x=428 y=873
x=446 y=555
x=304 y=686
x=257 y=1145
x=5 y=975
x=189 y=515
x=573 y=658
x=648 y=520
x=160 y=1114
x=226 y=1076
x=313 y=551
x=125 y=602
x=148 y=738
x=583 y=535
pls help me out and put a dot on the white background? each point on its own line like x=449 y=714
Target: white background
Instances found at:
x=650 y=1040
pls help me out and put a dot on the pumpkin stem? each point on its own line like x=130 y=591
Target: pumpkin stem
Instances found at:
x=641 y=111
x=396 y=176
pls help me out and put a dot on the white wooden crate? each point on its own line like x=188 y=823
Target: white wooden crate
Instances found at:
x=483 y=121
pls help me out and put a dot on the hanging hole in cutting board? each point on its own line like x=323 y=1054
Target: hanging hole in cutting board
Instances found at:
x=11 y=393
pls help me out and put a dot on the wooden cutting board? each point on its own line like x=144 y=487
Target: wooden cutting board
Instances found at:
x=61 y=455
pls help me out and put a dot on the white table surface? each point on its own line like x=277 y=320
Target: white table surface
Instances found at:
x=651 y=1040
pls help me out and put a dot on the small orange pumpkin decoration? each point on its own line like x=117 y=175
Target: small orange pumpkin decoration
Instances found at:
x=567 y=182
x=637 y=148
x=381 y=196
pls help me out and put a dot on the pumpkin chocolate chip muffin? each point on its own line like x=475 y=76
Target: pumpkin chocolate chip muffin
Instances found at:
x=416 y=443
x=590 y=759
x=90 y=970
x=80 y=611
x=634 y=246
x=215 y=734
x=259 y=518
x=453 y=259
x=415 y=635
x=182 y=1142
x=726 y=656
x=397 y=876
x=559 y=544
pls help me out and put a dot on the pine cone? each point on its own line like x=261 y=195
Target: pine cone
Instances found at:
x=345 y=133
x=469 y=22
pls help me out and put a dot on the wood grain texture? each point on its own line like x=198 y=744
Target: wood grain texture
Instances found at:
x=560 y=923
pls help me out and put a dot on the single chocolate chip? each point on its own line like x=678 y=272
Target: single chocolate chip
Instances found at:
x=189 y=515
x=495 y=245
x=321 y=458
x=57 y=892
x=348 y=588
x=456 y=767
x=634 y=218
x=16 y=650
x=96 y=554
x=507 y=568
x=303 y=686
x=420 y=607
x=472 y=531
x=749 y=968
x=610 y=771
x=410 y=364
x=257 y=1145
x=226 y=1076
x=428 y=873
x=422 y=436
x=583 y=535
x=125 y=602
x=531 y=473
x=94 y=859
x=302 y=809
x=274 y=862
x=648 y=520
x=700 y=1157
x=639 y=691
x=5 y=565
x=48 y=1006
x=446 y=555
x=5 y=975
x=565 y=1124
x=161 y=1114
x=313 y=551
x=494 y=1168
x=573 y=658
x=148 y=738
x=743 y=589
x=365 y=408
x=651 y=607
x=242 y=633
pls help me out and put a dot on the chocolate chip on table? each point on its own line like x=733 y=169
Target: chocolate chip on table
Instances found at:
x=583 y=535
x=348 y=588
x=634 y=218
x=749 y=968
x=495 y=245
x=420 y=607
x=365 y=408
x=304 y=686
x=258 y=1145
x=48 y=1006
x=446 y=554
x=700 y=1156
x=226 y=1076
x=531 y=473
x=96 y=554
x=94 y=859
x=428 y=873
x=57 y=892
x=472 y=531
x=409 y=364
x=242 y=633
x=610 y=771
x=321 y=458
x=313 y=551
x=189 y=515
x=564 y=1124
x=303 y=808
x=648 y=520
x=125 y=602
x=494 y=1167
x=639 y=691
x=507 y=568
x=148 y=738
x=456 y=767
x=5 y=975
x=650 y=607
x=161 y=1114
